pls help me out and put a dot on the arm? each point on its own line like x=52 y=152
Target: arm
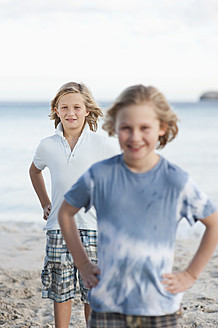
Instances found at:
x=180 y=281
x=88 y=270
x=39 y=186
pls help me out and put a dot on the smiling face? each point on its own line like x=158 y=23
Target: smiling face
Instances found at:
x=138 y=130
x=72 y=112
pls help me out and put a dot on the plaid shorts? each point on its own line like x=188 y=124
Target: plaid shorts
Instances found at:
x=118 y=320
x=59 y=275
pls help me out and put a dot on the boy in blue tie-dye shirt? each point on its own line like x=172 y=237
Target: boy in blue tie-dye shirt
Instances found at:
x=140 y=198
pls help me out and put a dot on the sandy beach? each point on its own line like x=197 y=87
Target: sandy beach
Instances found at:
x=21 y=305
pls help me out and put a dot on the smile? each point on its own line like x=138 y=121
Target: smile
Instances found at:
x=135 y=147
x=71 y=119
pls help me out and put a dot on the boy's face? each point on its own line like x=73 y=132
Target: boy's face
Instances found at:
x=72 y=111
x=138 y=130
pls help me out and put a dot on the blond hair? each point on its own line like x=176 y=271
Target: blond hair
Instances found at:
x=136 y=95
x=90 y=103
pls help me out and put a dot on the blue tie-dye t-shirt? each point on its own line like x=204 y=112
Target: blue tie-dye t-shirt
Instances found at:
x=138 y=215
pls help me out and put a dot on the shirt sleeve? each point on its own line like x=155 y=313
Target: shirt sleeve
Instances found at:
x=195 y=204
x=39 y=159
x=81 y=193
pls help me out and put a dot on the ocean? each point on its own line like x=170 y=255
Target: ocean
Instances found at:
x=24 y=124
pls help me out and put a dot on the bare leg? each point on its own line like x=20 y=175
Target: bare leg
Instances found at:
x=62 y=313
x=87 y=312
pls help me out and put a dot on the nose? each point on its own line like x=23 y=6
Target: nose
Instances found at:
x=71 y=111
x=135 y=135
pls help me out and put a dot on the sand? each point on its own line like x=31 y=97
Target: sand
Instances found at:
x=21 y=305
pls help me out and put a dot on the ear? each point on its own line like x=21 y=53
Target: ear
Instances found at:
x=56 y=111
x=163 y=128
x=87 y=113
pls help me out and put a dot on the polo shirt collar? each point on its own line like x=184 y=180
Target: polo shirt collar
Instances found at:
x=60 y=131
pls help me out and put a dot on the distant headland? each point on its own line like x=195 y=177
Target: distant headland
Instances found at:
x=210 y=95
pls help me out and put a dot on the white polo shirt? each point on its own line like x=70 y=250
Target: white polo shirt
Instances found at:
x=67 y=166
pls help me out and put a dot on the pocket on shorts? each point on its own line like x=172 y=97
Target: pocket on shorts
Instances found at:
x=56 y=251
x=46 y=275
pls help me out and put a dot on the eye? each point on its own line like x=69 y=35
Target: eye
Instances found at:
x=144 y=127
x=77 y=107
x=125 y=128
x=63 y=107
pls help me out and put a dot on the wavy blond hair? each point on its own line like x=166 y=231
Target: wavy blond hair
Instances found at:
x=137 y=94
x=90 y=103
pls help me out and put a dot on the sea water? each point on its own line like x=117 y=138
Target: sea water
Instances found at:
x=24 y=124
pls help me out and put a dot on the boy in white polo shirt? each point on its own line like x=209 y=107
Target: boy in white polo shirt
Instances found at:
x=68 y=154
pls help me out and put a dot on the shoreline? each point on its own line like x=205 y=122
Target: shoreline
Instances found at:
x=22 y=254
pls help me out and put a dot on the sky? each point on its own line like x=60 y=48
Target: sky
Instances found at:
x=108 y=45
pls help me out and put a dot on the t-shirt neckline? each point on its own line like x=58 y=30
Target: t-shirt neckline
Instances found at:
x=142 y=174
